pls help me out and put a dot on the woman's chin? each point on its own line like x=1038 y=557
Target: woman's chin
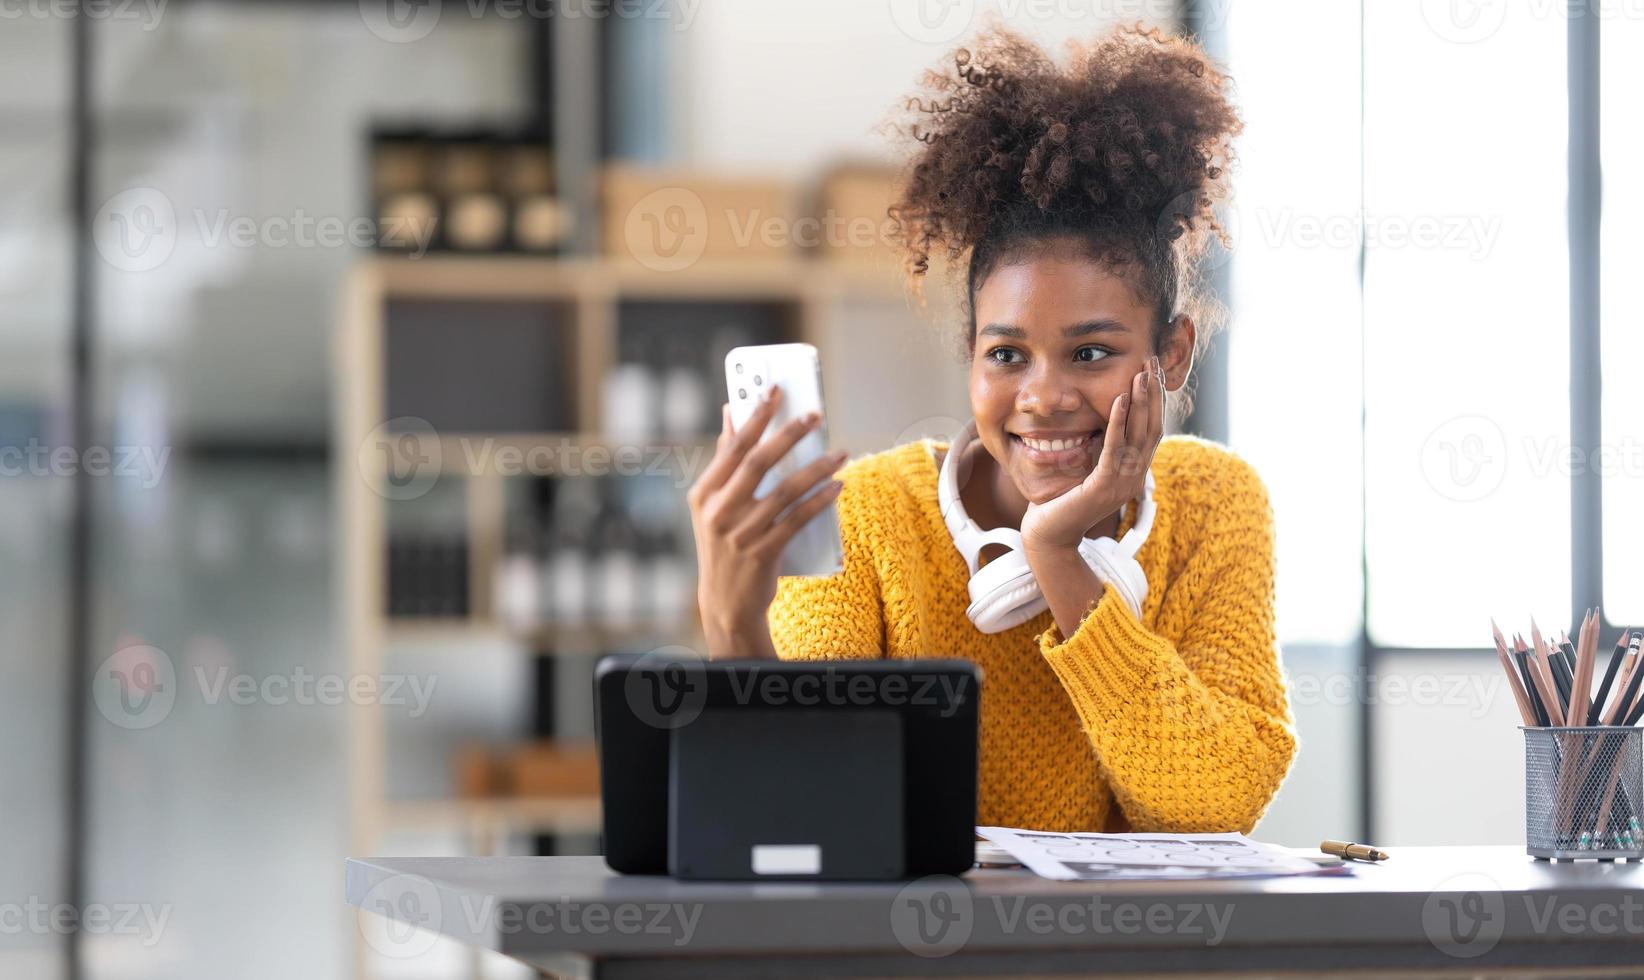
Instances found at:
x=1042 y=490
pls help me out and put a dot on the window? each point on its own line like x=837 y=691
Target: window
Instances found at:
x=1466 y=311
x=1620 y=460
x=1293 y=294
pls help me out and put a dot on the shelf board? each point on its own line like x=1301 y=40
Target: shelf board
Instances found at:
x=420 y=630
x=593 y=639
x=480 y=277
x=538 y=815
x=599 y=639
x=792 y=278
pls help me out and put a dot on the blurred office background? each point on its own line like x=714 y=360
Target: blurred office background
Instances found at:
x=354 y=299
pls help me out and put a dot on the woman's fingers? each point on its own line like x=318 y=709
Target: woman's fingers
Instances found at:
x=1157 y=431
x=1140 y=417
x=1116 y=438
x=1113 y=443
x=765 y=512
x=758 y=460
x=734 y=445
x=783 y=530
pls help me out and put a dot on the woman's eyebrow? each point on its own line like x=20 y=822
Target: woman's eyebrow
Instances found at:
x=1094 y=326
x=1077 y=330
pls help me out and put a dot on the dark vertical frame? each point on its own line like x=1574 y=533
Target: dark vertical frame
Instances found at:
x=78 y=602
x=1366 y=660
x=1201 y=19
x=1586 y=379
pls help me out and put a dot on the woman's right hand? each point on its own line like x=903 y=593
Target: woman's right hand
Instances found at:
x=739 y=538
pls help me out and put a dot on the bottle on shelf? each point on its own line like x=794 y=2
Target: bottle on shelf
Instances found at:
x=629 y=404
x=617 y=571
x=539 y=221
x=476 y=217
x=670 y=583
x=684 y=395
x=400 y=171
x=567 y=566
x=516 y=585
x=566 y=558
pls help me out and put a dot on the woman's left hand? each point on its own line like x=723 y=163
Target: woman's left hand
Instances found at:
x=1134 y=427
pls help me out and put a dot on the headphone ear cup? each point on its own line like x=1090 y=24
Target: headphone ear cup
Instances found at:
x=1004 y=594
x=1117 y=570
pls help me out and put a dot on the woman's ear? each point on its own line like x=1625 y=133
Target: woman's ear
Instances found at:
x=1176 y=353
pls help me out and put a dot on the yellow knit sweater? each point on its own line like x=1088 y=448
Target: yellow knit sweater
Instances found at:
x=1180 y=719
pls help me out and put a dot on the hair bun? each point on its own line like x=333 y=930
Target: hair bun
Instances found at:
x=1133 y=133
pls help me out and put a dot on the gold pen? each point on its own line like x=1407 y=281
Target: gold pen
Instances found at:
x=1352 y=852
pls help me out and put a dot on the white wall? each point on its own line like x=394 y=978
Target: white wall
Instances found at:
x=763 y=86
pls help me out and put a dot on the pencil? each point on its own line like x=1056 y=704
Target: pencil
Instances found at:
x=1522 y=657
x=1637 y=710
x=1544 y=678
x=1581 y=688
x=1513 y=681
x=1629 y=836
x=1566 y=687
x=1625 y=715
x=1629 y=666
x=1597 y=710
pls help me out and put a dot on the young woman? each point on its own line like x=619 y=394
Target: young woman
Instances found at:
x=1119 y=692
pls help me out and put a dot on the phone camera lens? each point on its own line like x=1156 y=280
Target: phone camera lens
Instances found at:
x=742 y=393
x=757 y=381
x=739 y=369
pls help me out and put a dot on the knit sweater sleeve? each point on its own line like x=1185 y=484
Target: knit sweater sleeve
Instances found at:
x=838 y=617
x=1195 y=732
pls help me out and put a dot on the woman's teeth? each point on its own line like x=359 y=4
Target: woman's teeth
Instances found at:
x=1054 y=445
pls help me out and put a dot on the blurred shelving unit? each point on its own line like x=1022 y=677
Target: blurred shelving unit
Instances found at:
x=804 y=295
x=447 y=363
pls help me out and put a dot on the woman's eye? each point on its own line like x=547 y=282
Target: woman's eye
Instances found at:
x=1005 y=355
x=1089 y=354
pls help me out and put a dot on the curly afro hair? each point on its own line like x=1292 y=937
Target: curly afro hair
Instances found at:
x=1123 y=153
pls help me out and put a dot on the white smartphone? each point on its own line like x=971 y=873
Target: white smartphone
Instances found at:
x=749 y=374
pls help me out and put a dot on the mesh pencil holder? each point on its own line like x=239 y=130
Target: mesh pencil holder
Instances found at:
x=1584 y=792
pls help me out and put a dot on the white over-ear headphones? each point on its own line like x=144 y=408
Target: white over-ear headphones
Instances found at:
x=1003 y=593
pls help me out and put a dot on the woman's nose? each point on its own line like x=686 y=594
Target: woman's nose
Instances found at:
x=1046 y=392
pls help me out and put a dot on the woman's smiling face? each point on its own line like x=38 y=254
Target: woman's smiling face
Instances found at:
x=1058 y=338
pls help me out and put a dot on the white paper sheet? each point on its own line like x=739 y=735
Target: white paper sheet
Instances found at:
x=1072 y=857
